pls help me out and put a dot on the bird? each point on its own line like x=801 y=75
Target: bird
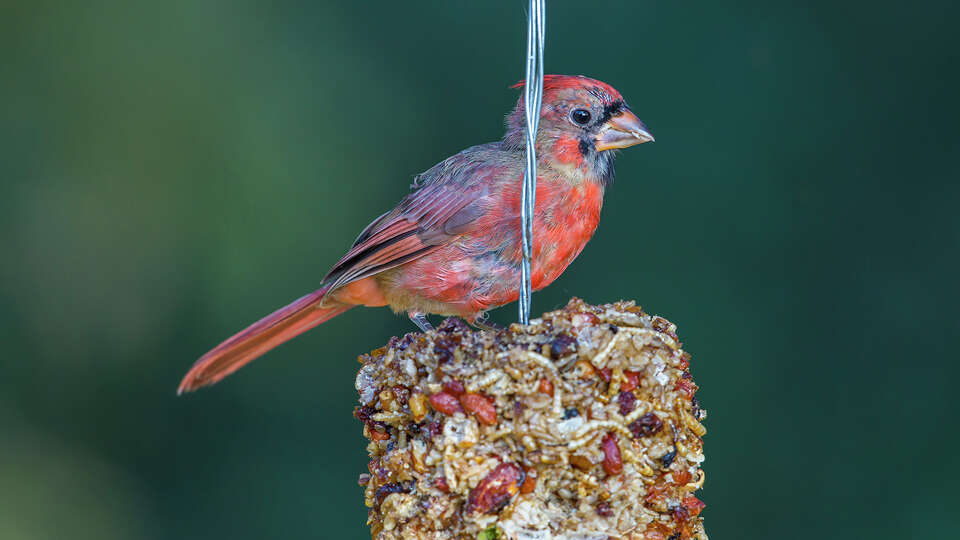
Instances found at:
x=452 y=246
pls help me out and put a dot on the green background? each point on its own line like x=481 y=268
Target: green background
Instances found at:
x=170 y=171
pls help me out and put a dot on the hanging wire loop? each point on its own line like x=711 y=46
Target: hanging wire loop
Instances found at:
x=532 y=97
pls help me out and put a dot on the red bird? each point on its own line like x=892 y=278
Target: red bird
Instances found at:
x=452 y=246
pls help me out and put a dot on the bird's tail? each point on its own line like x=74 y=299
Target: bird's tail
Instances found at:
x=261 y=336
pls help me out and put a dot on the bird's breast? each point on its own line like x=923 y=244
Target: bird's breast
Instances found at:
x=481 y=269
x=566 y=218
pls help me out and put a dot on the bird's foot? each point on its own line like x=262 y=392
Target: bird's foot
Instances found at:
x=420 y=319
x=483 y=323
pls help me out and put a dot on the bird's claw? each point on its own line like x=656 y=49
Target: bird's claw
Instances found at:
x=420 y=319
x=485 y=324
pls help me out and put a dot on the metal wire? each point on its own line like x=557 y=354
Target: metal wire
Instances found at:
x=532 y=97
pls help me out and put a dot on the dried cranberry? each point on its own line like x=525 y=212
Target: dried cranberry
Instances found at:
x=562 y=345
x=452 y=325
x=363 y=414
x=646 y=425
x=627 y=401
x=392 y=487
x=443 y=348
x=454 y=387
x=433 y=429
x=604 y=509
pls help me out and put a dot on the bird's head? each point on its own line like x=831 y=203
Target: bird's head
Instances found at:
x=582 y=121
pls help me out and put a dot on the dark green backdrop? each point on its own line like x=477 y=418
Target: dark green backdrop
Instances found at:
x=173 y=170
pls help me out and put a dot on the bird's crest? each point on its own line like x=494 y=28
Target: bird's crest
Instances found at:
x=554 y=83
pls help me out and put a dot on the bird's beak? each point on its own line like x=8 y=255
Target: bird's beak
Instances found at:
x=621 y=131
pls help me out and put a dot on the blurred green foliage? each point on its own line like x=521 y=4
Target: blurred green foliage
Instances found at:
x=171 y=171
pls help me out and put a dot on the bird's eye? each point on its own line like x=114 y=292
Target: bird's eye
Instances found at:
x=580 y=116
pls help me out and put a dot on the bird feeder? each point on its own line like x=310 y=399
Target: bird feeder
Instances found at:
x=583 y=424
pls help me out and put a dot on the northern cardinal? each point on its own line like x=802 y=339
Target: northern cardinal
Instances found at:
x=452 y=246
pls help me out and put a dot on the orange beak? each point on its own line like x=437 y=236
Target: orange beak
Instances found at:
x=622 y=131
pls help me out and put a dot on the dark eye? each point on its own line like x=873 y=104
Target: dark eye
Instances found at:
x=580 y=116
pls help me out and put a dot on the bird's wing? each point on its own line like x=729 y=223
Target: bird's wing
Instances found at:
x=421 y=223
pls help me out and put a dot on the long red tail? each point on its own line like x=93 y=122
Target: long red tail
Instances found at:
x=258 y=338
